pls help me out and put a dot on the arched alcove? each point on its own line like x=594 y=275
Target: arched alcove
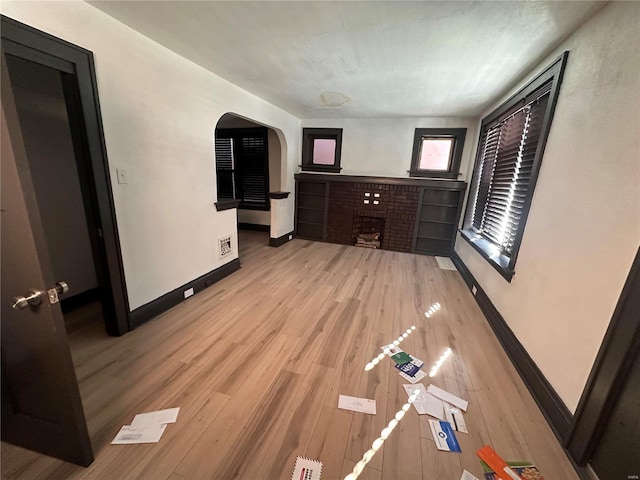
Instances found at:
x=241 y=171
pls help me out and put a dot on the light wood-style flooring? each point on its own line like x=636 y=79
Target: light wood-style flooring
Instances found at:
x=256 y=363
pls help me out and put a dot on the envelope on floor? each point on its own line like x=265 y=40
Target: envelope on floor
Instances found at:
x=444 y=437
x=355 y=404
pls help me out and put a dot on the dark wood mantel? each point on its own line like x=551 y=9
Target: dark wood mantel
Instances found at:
x=420 y=182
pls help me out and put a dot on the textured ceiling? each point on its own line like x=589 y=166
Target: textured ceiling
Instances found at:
x=359 y=58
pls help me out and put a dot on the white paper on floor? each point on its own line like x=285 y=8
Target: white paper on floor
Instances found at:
x=306 y=469
x=147 y=434
x=448 y=397
x=362 y=405
x=468 y=476
x=159 y=417
x=146 y=427
x=425 y=403
x=455 y=418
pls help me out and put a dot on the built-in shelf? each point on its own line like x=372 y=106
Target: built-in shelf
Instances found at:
x=438 y=216
x=326 y=206
x=439 y=205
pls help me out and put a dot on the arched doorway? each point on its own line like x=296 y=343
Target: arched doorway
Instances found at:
x=249 y=165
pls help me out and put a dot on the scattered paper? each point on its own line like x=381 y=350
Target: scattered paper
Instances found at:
x=448 y=397
x=397 y=355
x=455 y=418
x=306 y=469
x=514 y=470
x=497 y=468
x=401 y=358
x=468 y=476
x=412 y=367
x=148 y=434
x=362 y=405
x=444 y=437
x=425 y=403
x=158 y=417
x=419 y=376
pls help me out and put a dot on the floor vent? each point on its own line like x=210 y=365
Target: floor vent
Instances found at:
x=445 y=263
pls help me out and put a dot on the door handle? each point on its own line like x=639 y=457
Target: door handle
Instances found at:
x=33 y=298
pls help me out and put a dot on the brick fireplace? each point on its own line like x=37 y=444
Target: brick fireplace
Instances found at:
x=411 y=214
x=395 y=205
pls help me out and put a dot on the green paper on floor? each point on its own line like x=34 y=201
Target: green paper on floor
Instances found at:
x=401 y=358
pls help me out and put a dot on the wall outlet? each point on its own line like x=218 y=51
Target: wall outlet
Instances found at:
x=474 y=290
x=188 y=292
x=122 y=175
x=290 y=237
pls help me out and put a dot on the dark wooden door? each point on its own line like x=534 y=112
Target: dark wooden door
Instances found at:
x=41 y=406
x=617 y=454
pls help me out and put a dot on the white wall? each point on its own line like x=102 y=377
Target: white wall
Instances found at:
x=584 y=225
x=383 y=146
x=159 y=112
x=47 y=136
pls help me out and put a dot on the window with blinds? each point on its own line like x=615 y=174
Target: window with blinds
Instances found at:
x=510 y=148
x=242 y=166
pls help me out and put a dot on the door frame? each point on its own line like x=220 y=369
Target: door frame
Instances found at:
x=83 y=105
x=610 y=371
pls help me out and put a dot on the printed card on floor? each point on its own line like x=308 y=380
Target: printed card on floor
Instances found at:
x=130 y=435
x=355 y=404
x=454 y=416
x=468 y=476
x=412 y=367
x=306 y=469
x=444 y=437
x=401 y=358
x=169 y=415
x=419 y=376
x=448 y=397
x=425 y=403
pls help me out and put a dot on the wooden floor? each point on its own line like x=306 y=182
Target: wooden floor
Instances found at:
x=256 y=363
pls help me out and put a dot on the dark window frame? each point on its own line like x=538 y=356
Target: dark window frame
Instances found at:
x=453 y=170
x=553 y=74
x=240 y=170
x=309 y=135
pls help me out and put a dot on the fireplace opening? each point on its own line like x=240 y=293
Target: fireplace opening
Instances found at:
x=367 y=231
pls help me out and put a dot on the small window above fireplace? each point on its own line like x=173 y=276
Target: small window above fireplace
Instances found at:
x=321 y=149
x=437 y=152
